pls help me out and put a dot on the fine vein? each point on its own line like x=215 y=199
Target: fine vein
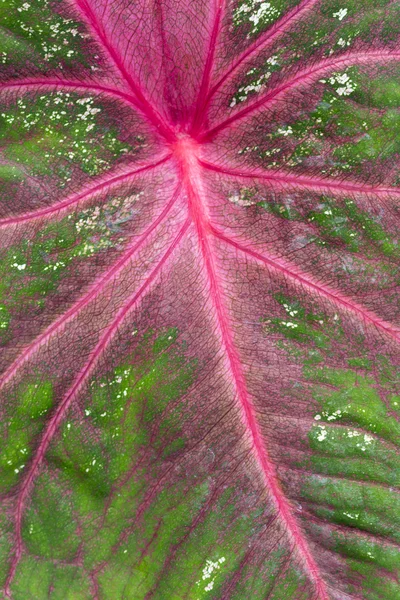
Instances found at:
x=64 y=405
x=102 y=184
x=95 y=290
x=294 y=273
x=192 y=179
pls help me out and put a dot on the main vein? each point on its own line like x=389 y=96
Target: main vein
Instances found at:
x=192 y=180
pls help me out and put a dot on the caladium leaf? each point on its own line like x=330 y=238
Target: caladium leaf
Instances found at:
x=199 y=299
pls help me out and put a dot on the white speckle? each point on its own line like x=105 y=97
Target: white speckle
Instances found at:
x=322 y=434
x=209 y=569
x=347 y=86
x=317 y=417
x=352 y=516
x=352 y=434
x=285 y=132
x=24 y=7
x=340 y=14
x=19 y=267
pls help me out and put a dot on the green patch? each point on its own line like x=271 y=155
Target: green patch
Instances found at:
x=339 y=224
x=353 y=442
x=303 y=326
x=36 y=577
x=53 y=133
x=98 y=503
x=337 y=26
x=374 y=582
x=284 y=210
x=24 y=419
x=50 y=529
x=32 y=31
x=371 y=509
x=368 y=551
x=35 y=268
x=348 y=130
x=356 y=402
x=121 y=408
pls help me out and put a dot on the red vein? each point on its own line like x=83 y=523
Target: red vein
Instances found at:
x=170 y=83
x=192 y=179
x=294 y=273
x=147 y=108
x=84 y=300
x=302 y=77
x=205 y=82
x=262 y=42
x=101 y=184
x=64 y=405
x=70 y=84
x=320 y=184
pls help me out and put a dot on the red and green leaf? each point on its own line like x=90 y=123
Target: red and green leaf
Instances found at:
x=199 y=299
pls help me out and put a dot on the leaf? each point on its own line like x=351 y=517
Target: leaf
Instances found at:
x=199 y=299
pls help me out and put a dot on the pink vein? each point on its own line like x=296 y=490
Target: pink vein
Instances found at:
x=294 y=273
x=263 y=42
x=205 y=82
x=91 y=295
x=61 y=410
x=103 y=183
x=70 y=84
x=192 y=180
x=302 y=77
x=302 y=181
x=147 y=108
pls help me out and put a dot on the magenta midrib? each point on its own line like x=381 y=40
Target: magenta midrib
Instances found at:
x=302 y=77
x=144 y=105
x=205 y=82
x=221 y=316
x=303 y=181
x=286 y=21
x=105 y=182
x=334 y=296
x=87 y=370
x=96 y=289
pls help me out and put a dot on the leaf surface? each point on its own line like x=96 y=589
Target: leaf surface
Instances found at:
x=199 y=300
